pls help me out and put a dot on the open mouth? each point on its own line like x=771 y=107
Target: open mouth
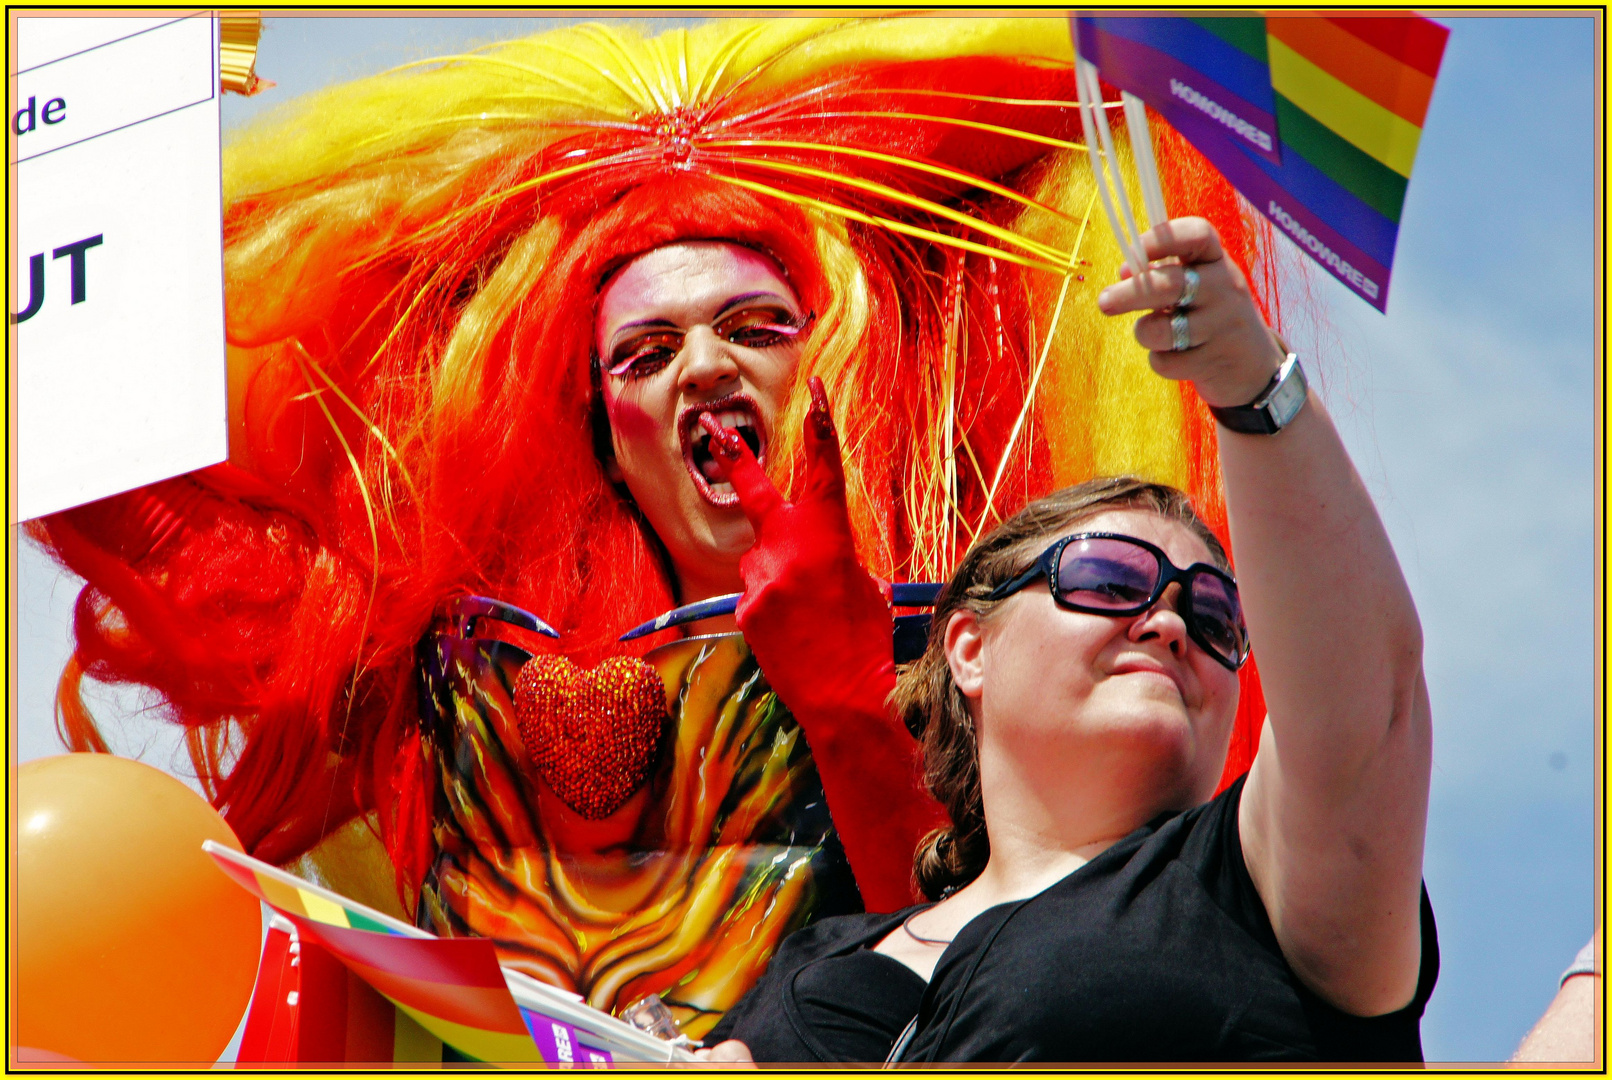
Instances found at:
x=736 y=411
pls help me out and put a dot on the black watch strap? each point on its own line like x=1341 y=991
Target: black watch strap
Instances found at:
x=1275 y=406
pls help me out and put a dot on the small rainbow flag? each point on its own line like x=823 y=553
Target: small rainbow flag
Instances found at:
x=449 y=989
x=309 y=1007
x=1350 y=95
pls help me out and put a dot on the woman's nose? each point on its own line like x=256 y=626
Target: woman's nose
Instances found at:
x=1163 y=622
x=707 y=362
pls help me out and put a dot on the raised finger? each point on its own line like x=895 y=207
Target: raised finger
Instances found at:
x=739 y=467
x=825 y=470
x=1190 y=239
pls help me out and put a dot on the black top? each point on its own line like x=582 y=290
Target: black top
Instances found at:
x=1159 y=949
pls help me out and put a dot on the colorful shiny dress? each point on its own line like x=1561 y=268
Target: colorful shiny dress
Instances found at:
x=732 y=847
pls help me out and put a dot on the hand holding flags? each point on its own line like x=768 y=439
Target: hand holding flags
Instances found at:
x=1348 y=95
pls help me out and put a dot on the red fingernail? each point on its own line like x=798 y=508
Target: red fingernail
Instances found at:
x=822 y=420
x=724 y=441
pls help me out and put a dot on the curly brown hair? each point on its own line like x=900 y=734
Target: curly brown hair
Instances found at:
x=928 y=700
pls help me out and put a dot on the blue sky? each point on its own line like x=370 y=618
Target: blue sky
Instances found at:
x=1470 y=411
x=1474 y=423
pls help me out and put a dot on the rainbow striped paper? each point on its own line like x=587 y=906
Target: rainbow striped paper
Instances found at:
x=1350 y=94
x=452 y=988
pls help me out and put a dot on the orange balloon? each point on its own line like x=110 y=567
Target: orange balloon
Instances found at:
x=131 y=945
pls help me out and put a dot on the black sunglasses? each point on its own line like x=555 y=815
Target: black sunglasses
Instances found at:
x=1112 y=574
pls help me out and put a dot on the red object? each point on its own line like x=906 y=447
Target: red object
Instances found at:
x=1401 y=35
x=821 y=628
x=271 y=1021
x=591 y=735
x=323 y=1002
x=309 y=1007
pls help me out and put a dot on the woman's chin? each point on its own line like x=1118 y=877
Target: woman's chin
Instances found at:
x=1153 y=739
x=1147 y=705
x=1174 y=762
x=728 y=533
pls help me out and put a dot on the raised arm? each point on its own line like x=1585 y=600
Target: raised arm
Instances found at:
x=821 y=631
x=1335 y=808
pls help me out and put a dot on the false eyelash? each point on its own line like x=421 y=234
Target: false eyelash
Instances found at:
x=626 y=366
x=785 y=329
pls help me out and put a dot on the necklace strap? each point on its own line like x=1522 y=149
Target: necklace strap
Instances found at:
x=906 y=924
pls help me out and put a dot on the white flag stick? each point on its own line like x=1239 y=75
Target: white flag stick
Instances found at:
x=1121 y=196
x=1089 y=113
x=1147 y=166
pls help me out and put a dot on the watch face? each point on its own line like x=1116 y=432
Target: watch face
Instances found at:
x=1288 y=397
x=1286 y=402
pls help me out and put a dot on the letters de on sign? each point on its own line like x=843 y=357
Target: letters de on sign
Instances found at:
x=117 y=311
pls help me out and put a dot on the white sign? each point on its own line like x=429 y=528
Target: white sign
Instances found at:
x=117 y=307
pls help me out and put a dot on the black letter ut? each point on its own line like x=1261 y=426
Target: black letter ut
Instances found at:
x=76 y=254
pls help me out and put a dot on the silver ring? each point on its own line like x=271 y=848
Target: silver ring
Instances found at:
x=1181 y=338
x=1189 y=288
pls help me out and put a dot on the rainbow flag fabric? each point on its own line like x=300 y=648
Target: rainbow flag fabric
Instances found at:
x=1349 y=93
x=451 y=989
x=1192 y=69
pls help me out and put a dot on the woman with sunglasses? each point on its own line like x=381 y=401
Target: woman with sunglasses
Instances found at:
x=1092 y=900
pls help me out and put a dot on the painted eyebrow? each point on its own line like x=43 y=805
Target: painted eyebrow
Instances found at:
x=615 y=339
x=747 y=297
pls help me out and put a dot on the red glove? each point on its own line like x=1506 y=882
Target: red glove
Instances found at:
x=820 y=627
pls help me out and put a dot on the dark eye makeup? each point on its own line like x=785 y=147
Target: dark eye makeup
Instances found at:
x=761 y=327
x=645 y=354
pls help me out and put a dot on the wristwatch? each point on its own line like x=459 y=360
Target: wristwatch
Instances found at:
x=1274 y=408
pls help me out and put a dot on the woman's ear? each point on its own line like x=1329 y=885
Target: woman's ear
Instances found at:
x=965 y=648
x=613 y=471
